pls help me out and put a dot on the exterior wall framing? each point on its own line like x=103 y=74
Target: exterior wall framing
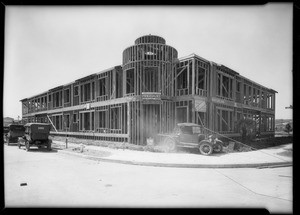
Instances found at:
x=149 y=93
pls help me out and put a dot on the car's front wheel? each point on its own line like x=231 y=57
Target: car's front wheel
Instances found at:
x=170 y=144
x=205 y=148
x=218 y=147
x=27 y=146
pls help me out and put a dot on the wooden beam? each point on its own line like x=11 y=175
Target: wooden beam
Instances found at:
x=183 y=68
x=52 y=123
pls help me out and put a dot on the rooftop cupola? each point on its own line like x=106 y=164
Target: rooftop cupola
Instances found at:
x=150 y=39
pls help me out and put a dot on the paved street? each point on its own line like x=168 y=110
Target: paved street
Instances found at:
x=56 y=179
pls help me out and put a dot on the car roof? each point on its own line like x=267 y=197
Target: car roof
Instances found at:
x=14 y=125
x=36 y=123
x=187 y=124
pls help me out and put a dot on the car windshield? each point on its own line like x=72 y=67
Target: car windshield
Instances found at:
x=196 y=130
x=191 y=129
x=17 y=128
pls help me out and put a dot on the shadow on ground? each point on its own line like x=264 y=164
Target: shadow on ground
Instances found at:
x=196 y=152
x=286 y=153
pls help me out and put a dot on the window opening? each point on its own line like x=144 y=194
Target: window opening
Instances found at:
x=130 y=81
x=102 y=119
x=181 y=114
x=74 y=118
x=93 y=90
x=102 y=87
x=76 y=91
x=201 y=78
x=115 y=118
x=87 y=92
x=67 y=96
x=150 y=79
x=67 y=121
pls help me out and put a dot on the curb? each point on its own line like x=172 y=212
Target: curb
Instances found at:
x=180 y=165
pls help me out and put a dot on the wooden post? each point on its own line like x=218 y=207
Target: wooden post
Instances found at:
x=128 y=121
x=221 y=86
x=188 y=76
x=206 y=81
x=124 y=80
x=229 y=122
x=141 y=121
x=260 y=98
x=234 y=88
x=194 y=78
x=137 y=123
x=61 y=98
x=193 y=110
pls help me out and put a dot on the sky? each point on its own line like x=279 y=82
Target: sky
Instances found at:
x=48 y=46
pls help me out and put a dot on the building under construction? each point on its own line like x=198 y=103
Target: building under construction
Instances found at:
x=149 y=93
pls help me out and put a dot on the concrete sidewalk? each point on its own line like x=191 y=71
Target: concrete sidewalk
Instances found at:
x=278 y=156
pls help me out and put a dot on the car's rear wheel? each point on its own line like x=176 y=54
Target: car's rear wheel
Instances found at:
x=218 y=147
x=170 y=144
x=205 y=148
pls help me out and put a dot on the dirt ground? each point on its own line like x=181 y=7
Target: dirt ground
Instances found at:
x=270 y=142
x=238 y=146
x=40 y=178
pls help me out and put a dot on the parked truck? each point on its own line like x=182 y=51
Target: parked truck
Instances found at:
x=36 y=134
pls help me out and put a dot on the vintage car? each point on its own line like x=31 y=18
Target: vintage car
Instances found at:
x=192 y=136
x=36 y=134
x=5 y=130
x=13 y=132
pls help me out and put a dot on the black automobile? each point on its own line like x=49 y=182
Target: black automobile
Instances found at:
x=12 y=132
x=191 y=135
x=36 y=134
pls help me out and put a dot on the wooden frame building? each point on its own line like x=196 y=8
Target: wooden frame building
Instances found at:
x=149 y=93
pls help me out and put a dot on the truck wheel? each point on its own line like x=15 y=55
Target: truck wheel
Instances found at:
x=218 y=147
x=27 y=146
x=170 y=144
x=205 y=148
x=49 y=145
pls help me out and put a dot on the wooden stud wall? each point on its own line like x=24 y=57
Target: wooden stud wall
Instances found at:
x=136 y=115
